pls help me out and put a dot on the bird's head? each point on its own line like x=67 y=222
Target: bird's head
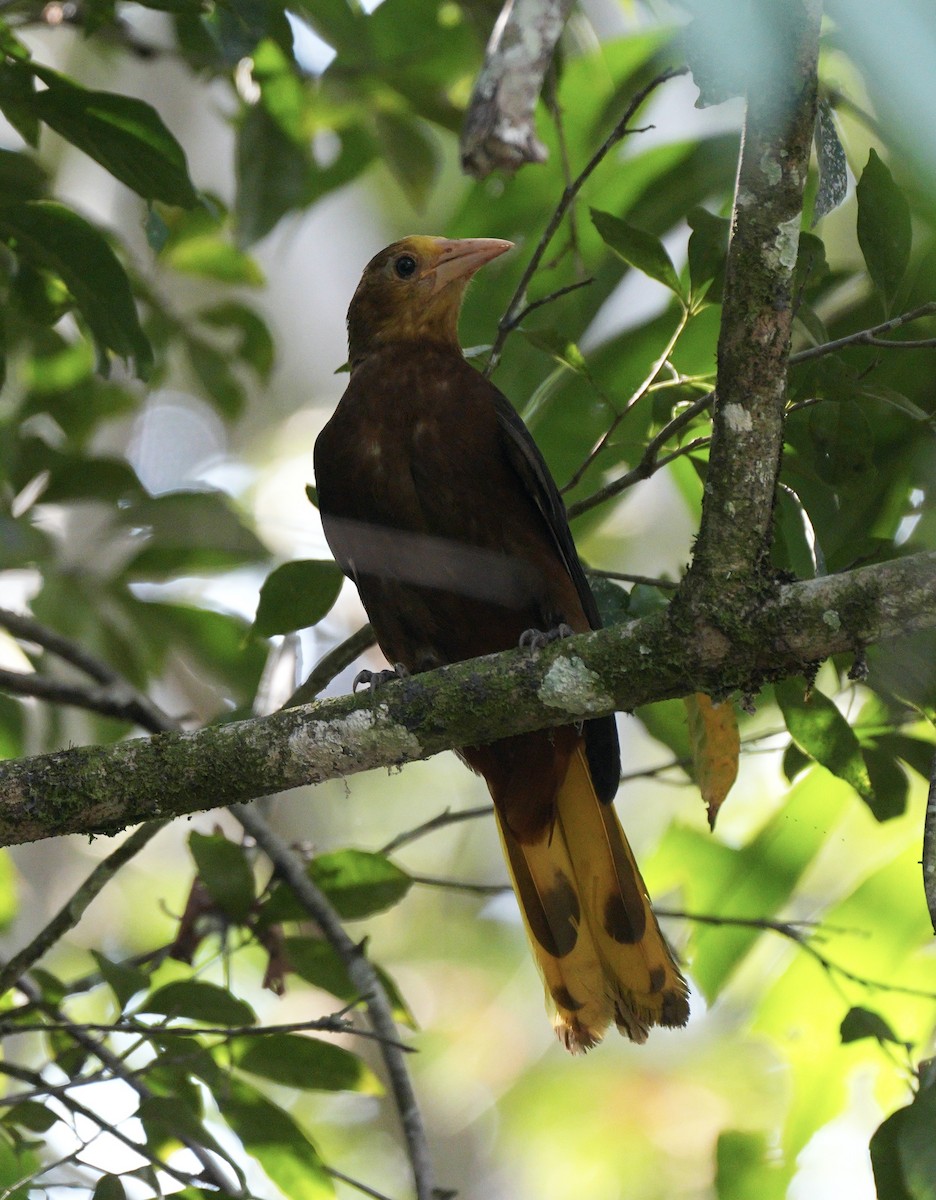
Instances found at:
x=413 y=290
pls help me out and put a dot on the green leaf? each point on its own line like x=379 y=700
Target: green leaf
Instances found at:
x=213 y=258
x=637 y=248
x=79 y=476
x=755 y=880
x=9 y=890
x=917 y=1146
x=888 y=781
x=189 y=533
x=21 y=177
x=884 y=229
x=255 y=345
x=314 y=961
x=126 y=136
x=843 y=443
x=198 y=1001
x=612 y=599
x=12 y=724
x=109 y=1187
x=213 y=370
x=811 y=264
x=282 y=92
x=890 y=396
x=861 y=1023
x=123 y=980
x=337 y=22
x=279 y=1145
x=21 y=545
x=217 y=642
x=886 y=1164
x=794 y=762
x=31 y=1115
x=915 y=752
x=168 y=1122
x=311 y=958
x=410 y=153
x=50 y=236
x=296 y=595
x=17 y=97
x=666 y=721
x=273 y=175
x=358 y=882
x=237 y=26
x=708 y=251
x=225 y=871
x=304 y=1062
x=820 y=730
x=559 y=347
x=746 y=1166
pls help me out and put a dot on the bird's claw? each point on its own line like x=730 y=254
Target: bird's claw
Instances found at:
x=536 y=639
x=376 y=679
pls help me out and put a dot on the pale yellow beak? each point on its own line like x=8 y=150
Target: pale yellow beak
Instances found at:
x=459 y=258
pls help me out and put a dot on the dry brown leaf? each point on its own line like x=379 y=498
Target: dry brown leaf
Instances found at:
x=716 y=745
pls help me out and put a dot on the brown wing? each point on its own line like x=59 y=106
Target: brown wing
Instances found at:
x=601 y=740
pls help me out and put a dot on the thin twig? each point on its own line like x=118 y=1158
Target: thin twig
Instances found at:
x=788 y=929
x=332 y=664
x=650 y=461
x=636 y=396
x=507 y=323
x=110 y=701
x=41 y=1088
x=137 y=707
x=118 y=1068
x=870 y=337
x=74 y=908
x=551 y=97
x=797 y=932
x=339 y=1025
x=462 y=885
x=563 y=291
x=356 y=1184
x=903 y=344
x=626 y=577
x=443 y=819
x=364 y=978
x=30 y=630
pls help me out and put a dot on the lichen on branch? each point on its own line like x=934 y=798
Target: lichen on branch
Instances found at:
x=100 y=789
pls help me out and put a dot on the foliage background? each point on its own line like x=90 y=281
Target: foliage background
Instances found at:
x=141 y=517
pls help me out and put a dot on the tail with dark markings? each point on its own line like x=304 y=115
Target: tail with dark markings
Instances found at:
x=594 y=936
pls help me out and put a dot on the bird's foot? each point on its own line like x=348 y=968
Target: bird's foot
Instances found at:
x=536 y=639
x=376 y=679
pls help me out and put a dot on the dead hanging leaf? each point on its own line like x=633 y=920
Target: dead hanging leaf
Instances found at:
x=716 y=745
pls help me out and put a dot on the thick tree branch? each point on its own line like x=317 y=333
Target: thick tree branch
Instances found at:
x=747 y=429
x=499 y=129
x=103 y=788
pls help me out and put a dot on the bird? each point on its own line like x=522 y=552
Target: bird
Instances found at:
x=437 y=503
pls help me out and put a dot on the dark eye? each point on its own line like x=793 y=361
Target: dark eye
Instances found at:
x=405 y=265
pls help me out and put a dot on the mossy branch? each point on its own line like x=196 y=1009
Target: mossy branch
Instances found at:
x=100 y=789
x=731 y=553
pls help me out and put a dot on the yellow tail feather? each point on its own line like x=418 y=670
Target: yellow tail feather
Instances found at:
x=594 y=936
